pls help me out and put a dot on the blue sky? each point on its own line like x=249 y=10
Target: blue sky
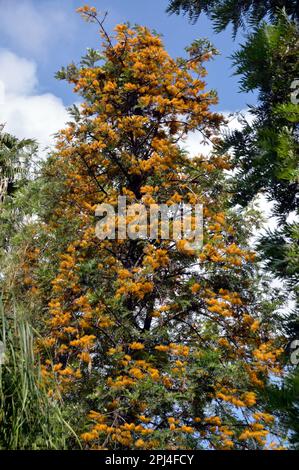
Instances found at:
x=37 y=37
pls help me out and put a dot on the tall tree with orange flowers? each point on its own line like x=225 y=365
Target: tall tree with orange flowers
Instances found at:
x=158 y=346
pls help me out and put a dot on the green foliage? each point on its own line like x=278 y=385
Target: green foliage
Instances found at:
x=29 y=418
x=16 y=156
x=266 y=155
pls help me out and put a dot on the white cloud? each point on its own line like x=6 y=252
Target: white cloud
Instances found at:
x=26 y=113
x=31 y=26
